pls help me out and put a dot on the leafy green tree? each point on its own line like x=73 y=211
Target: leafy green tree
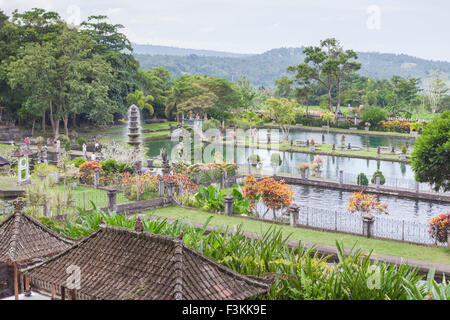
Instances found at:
x=157 y=83
x=64 y=75
x=284 y=87
x=283 y=111
x=115 y=48
x=435 y=91
x=246 y=91
x=327 y=65
x=374 y=115
x=143 y=102
x=431 y=155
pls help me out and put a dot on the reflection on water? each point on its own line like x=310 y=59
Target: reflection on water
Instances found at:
x=331 y=199
x=401 y=208
x=354 y=139
x=331 y=164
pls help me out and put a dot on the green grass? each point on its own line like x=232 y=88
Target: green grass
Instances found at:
x=98 y=196
x=158 y=126
x=405 y=250
x=327 y=149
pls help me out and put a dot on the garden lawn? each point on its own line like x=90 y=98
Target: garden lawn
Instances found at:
x=98 y=196
x=405 y=250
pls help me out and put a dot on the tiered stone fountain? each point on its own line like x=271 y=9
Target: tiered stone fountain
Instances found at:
x=134 y=126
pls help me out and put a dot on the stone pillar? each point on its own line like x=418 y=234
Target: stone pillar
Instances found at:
x=368 y=147
x=197 y=179
x=229 y=205
x=341 y=177
x=307 y=173
x=161 y=186
x=367 y=221
x=378 y=151
x=334 y=147
x=96 y=178
x=417 y=186
x=323 y=138
x=349 y=146
x=112 y=200
x=377 y=180
x=293 y=210
x=170 y=188
x=448 y=238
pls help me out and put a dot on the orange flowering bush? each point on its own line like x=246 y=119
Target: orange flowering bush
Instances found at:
x=182 y=181
x=439 y=226
x=396 y=125
x=365 y=203
x=250 y=191
x=274 y=194
x=87 y=171
x=139 y=186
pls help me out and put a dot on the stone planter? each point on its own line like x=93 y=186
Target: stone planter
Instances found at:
x=402 y=156
x=72 y=185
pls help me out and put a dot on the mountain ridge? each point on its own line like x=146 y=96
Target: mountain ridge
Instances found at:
x=264 y=68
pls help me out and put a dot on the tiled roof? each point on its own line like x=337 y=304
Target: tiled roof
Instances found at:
x=24 y=240
x=119 y=263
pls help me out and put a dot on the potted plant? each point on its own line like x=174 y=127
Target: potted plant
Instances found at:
x=275 y=162
x=316 y=166
x=404 y=151
x=312 y=143
x=254 y=159
x=302 y=167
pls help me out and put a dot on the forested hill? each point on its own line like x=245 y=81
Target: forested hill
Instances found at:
x=174 y=51
x=265 y=68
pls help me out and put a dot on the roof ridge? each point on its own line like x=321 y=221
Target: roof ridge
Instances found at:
x=14 y=234
x=226 y=270
x=179 y=266
x=74 y=245
x=47 y=229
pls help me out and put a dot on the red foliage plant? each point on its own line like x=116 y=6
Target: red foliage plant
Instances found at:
x=439 y=227
x=274 y=194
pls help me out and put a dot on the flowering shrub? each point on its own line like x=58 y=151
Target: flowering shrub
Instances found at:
x=206 y=172
x=302 y=167
x=439 y=227
x=275 y=195
x=365 y=203
x=87 y=170
x=317 y=164
x=250 y=191
x=182 y=181
x=139 y=186
x=396 y=125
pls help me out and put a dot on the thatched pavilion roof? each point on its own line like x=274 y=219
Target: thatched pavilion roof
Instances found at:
x=3 y=162
x=24 y=240
x=119 y=263
x=22 y=151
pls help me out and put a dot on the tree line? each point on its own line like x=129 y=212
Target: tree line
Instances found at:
x=55 y=76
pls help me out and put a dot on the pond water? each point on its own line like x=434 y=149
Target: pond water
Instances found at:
x=331 y=165
x=353 y=139
x=332 y=199
x=398 y=207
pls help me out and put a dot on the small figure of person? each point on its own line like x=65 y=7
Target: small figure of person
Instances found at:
x=85 y=150
x=93 y=157
x=27 y=142
x=58 y=145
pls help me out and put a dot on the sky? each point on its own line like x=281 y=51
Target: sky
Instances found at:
x=414 y=27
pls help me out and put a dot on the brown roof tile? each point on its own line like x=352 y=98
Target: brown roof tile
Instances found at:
x=119 y=263
x=24 y=240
